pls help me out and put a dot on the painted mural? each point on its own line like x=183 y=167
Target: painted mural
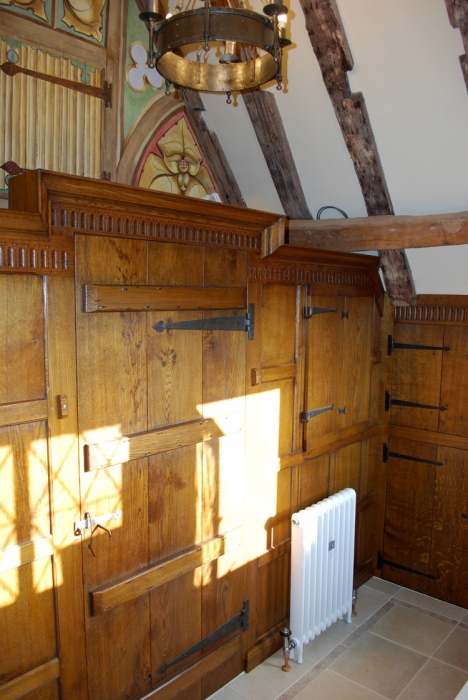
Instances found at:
x=173 y=163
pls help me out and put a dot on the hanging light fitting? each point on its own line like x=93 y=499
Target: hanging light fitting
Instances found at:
x=229 y=25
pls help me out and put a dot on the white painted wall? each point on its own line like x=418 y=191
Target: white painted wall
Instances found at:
x=406 y=64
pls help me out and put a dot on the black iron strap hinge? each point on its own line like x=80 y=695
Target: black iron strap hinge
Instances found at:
x=382 y=562
x=310 y=311
x=240 y=620
x=245 y=322
x=389 y=402
x=387 y=454
x=305 y=416
x=408 y=346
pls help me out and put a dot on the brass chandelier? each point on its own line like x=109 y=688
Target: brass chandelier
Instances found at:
x=242 y=32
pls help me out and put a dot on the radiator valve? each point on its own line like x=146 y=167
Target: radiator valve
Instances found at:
x=288 y=645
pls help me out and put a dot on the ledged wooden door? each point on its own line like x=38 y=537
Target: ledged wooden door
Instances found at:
x=161 y=425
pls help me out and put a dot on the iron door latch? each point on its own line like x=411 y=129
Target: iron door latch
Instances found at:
x=305 y=416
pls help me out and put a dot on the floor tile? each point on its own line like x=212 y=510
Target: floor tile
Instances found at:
x=331 y=686
x=268 y=681
x=367 y=603
x=432 y=604
x=454 y=650
x=378 y=584
x=227 y=693
x=435 y=681
x=465 y=619
x=412 y=629
x=379 y=665
x=322 y=645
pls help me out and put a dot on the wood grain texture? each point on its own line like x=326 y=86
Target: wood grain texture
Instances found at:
x=19 y=222
x=386 y=232
x=266 y=647
x=328 y=39
x=211 y=148
x=268 y=125
x=17 y=555
x=119 y=592
x=458 y=15
x=450 y=537
x=410 y=496
x=64 y=460
x=443 y=309
x=206 y=663
x=416 y=376
x=137 y=212
x=150 y=298
x=454 y=385
x=30 y=681
x=163 y=439
x=429 y=436
x=23 y=412
x=22 y=338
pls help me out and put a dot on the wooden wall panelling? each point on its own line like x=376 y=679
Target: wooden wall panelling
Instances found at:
x=224 y=368
x=314 y=481
x=112 y=400
x=416 y=376
x=454 y=389
x=22 y=338
x=324 y=347
x=410 y=496
x=449 y=555
x=63 y=446
x=357 y=361
x=385 y=379
x=174 y=366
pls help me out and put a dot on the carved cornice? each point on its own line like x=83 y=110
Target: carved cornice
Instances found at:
x=435 y=310
x=68 y=219
x=47 y=257
x=305 y=273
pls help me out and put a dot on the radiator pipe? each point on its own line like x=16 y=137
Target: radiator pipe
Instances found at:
x=288 y=645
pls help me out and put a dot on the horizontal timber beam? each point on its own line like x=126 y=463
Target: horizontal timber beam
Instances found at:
x=381 y=232
x=151 y=442
x=118 y=297
x=145 y=580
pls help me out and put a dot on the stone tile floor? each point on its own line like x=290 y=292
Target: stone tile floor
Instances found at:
x=401 y=645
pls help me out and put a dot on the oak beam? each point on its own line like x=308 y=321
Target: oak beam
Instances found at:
x=269 y=128
x=381 y=232
x=327 y=37
x=458 y=15
x=211 y=147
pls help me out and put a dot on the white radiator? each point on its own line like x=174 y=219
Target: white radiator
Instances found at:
x=322 y=556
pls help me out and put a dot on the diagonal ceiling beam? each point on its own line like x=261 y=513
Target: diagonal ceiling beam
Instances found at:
x=211 y=147
x=266 y=120
x=328 y=40
x=458 y=15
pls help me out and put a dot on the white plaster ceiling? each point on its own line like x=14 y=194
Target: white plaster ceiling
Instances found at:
x=406 y=64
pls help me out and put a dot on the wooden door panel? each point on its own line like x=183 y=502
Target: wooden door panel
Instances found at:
x=273 y=593
x=225 y=267
x=175 y=487
x=27 y=603
x=454 y=390
x=368 y=477
x=450 y=537
x=348 y=468
x=24 y=474
x=416 y=375
x=118 y=651
x=22 y=338
x=172 y=263
x=50 y=691
x=175 y=622
x=277 y=412
x=313 y=481
x=357 y=361
x=409 y=504
x=278 y=321
x=174 y=366
x=324 y=361
x=223 y=370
